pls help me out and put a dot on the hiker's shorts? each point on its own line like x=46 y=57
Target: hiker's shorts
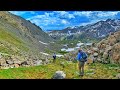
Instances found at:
x=81 y=63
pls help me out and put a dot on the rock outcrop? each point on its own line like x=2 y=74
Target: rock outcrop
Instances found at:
x=109 y=48
x=14 y=62
x=59 y=75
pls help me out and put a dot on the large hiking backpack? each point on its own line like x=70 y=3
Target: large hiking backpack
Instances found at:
x=84 y=56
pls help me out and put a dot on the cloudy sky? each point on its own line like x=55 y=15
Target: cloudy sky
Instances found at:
x=57 y=20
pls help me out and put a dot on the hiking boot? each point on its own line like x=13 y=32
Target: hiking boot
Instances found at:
x=81 y=74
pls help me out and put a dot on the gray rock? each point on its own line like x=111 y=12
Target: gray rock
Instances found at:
x=95 y=49
x=2 y=61
x=5 y=66
x=89 y=51
x=47 y=61
x=108 y=47
x=11 y=66
x=38 y=62
x=101 y=51
x=59 y=75
x=16 y=65
x=105 y=55
x=118 y=76
x=9 y=62
x=95 y=59
x=95 y=54
x=105 y=62
x=24 y=63
x=99 y=60
x=17 y=62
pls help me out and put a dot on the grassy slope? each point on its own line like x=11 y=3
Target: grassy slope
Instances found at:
x=11 y=43
x=46 y=72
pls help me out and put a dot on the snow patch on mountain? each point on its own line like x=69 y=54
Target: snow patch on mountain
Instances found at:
x=43 y=43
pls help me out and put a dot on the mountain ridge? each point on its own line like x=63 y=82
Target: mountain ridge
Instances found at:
x=97 y=30
x=22 y=39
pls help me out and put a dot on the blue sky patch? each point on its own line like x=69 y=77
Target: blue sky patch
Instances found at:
x=57 y=20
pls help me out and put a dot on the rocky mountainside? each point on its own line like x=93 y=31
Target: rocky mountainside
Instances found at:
x=21 y=40
x=109 y=49
x=23 y=29
x=98 y=30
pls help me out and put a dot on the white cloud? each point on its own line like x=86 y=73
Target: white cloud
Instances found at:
x=21 y=12
x=64 y=14
x=51 y=19
x=91 y=22
x=97 y=14
x=36 y=21
x=32 y=12
x=64 y=22
x=106 y=14
x=83 y=13
x=60 y=12
x=18 y=12
x=36 y=17
x=71 y=16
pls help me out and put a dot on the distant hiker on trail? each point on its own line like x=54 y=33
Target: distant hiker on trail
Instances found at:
x=54 y=57
x=82 y=58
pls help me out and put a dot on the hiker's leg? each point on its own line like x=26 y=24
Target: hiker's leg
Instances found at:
x=79 y=66
x=83 y=63
x=53 y=60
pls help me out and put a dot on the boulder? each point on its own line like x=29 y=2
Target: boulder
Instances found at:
x=116 y=57
x=95 y=59
x=115 y=53
x=16 y=65
x=17 y=62
x=108 y=48
x=101 y=51
x=9 y=62
x=89 y=61
x=59 y=75
x=89 y=52
x=105 y=55
x=95 y=54
x=5 y=66
x=95 y=49
x=105 y=62
x=112 y=40
x=38 y=62
x=99 y=60
x=47 y=61
x=11 y=66
x=24 y=63
x=118 y=76
x=2 y=61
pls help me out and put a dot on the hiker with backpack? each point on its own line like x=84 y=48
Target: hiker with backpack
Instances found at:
x=54 y=57
x=82 y=58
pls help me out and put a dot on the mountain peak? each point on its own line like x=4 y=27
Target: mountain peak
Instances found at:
x=96 y=30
